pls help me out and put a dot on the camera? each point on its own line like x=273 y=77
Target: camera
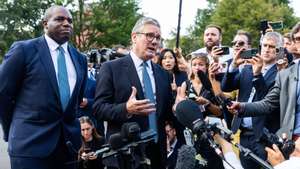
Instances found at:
x=285 y=146
x=248 y=54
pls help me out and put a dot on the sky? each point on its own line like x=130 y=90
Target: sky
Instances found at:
x=166 y=12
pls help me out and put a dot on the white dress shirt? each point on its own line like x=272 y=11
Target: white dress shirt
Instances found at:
x=139 y=68
x=70 y=66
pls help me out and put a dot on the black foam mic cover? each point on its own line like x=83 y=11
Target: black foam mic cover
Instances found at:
x=130 y=131
x=116 y=141
x=186 y=157
x=187 y=112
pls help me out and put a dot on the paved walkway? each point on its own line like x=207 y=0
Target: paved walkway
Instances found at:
x=4 y=159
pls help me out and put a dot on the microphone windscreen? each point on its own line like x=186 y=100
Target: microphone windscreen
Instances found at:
x=116 y=141
x=186 y=158
x=187 y=112
x=130 y=131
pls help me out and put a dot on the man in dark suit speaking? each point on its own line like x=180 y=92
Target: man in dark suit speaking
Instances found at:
x=42 y=82
x=134 y=89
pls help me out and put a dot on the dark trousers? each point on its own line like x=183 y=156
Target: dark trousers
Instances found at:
x=60 y=158
x=248 y=140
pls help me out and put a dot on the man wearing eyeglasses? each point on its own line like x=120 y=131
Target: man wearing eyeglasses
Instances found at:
x=284 y=95
x=253 y=82
x=133 y=89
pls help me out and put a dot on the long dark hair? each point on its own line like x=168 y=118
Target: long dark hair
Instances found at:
x=162 y=55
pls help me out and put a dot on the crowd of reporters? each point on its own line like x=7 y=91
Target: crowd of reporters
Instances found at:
x=230 y=76
x=248 y=89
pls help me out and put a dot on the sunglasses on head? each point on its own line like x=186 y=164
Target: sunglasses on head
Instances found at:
x=239 y=43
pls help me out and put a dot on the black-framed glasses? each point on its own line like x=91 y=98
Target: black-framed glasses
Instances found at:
x=239 y=43
x=150 y=36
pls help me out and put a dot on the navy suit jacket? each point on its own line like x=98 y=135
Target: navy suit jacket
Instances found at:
x=113 y=89
x=30 y=109
x=244 y=82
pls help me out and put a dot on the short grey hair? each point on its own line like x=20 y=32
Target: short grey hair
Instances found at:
x=139 y=25
x=295 y=30
x=277 y=37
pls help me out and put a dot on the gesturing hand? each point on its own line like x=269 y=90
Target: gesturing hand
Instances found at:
x=139 y=107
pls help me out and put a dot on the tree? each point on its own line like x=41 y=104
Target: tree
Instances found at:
x=105 y=23
x=248 y=14
x=98 y=24
x=193 y=40
x=20 y=20
x=232 y=15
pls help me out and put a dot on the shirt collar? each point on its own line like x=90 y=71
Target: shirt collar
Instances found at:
x=53 y=45
x=174 y=144
x=138 y=61
x=267 y=68
x=296 y=60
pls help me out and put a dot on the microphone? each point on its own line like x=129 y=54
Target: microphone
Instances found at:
x=116 y=141
x=148 y=134
x=102 y=150
x=186 y=158
x=71 y=147
x=188 y=113
x=130 y=131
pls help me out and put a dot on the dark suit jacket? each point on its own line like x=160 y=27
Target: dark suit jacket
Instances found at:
x=30 y=109
x=172 y=159
x=244 y=81
x=114 y=88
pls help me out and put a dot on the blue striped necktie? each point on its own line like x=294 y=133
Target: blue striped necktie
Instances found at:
x=63 y=82
x=149 y=95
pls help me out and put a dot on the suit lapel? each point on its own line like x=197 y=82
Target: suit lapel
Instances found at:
x=293 y=78
x=45 y=56
x=74 y=58
x=129 y=67
x=270 y=72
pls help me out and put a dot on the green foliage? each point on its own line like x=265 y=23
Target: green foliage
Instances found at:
x=187 y=43
x=105 y=23
x=100 y=24
x=193 y=41
x=232 y=15
x=20 y=20
x=247 y=15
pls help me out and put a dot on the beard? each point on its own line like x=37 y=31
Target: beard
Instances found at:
x=209 y=45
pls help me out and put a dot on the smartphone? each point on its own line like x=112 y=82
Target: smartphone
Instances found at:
x=276 y=25
x=264 y=25
x=248 y=54
x=225 y=50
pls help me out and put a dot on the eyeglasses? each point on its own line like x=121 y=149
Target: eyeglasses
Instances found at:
x=297 y=39
x=239 y=43
x=150 y=36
